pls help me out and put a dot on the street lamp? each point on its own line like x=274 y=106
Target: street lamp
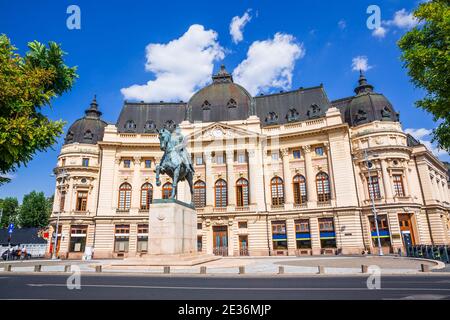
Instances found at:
x=374 y=210
x=63 y=175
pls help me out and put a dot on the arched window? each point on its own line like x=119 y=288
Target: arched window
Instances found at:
x=167 y=190
x=125 y=196
x=242 y=192
x=146 y=195
x=323 y=187
x=277 y=188
x=199 y=194
x=221 y=193
x=299 y=184
x=130 y=126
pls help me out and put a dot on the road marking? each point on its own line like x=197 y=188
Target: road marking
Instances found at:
x=241 y=288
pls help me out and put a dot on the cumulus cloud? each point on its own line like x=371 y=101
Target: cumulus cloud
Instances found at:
x=180 y=66
x=269 y=64
x=402 y=19
x=360 y=63
x=424 y=137
x=379 y=32
x=237 y=26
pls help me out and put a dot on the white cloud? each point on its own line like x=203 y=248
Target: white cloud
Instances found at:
x=360 y=63
x=379 y=32
x=342 y=24
x=404 y=20
x=237 y=26
x=180 y=66
x=424 y=137
x=269 y=64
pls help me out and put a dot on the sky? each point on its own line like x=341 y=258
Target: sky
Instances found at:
x=166 y=50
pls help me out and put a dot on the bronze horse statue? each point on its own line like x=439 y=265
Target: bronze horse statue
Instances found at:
x=176 y=161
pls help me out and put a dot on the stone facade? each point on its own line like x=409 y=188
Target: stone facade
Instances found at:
x=292 y=188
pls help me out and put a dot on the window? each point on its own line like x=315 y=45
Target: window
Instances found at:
x=199 y=243
x=242 y=192
x=199 y=226
x=383 y=230
x=221 y=193
x=241 y=158
x=146 y=196
x=122 y=238
x=299 y=182
x=148 y=163
x=374 y=188
x=275 y=156
x=77 y=238
x=277 y=188
x=279 y=237
x=319 y=151
x=327 y=233
x=398 y=185
x=198 y=160
x=302 y=234
x=130 y=126
x=323 y=187
x=63 y=162
x=125 y=196
x=62 y=201
x=82 y=200
x=199 y=194
x=242 y=224
x=142 y=238
x=127 y=163
x=219 y=158
x=167 y=190
x=297 y=154
x=85 y=162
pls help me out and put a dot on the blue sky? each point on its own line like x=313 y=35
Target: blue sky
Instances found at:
x=110 y=52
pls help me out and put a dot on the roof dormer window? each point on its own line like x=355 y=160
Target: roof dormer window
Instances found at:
x=206 y=105
x=88 y=135
x=150 y=126
x=271 y=118
x=232 y=103
x=292 y=115
x=130 y=126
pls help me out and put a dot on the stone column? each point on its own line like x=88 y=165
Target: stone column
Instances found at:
x=330 y=171
x=230 y=180
x=315 y=235
x=209 y=179
x=311 y=191
x=136 y=191
x=289 y=194
x=256 y=172
x=291 y=239
x=386 y=180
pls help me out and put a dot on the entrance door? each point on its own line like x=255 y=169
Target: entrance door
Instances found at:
x=406 y=229
x=243 y=245
x=220 y=239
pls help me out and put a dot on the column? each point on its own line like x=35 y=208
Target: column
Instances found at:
x=310 y=178
x=289 y=194
x=386 y=180
x=255 y=173
x=230 y=180
x=136 y=191
x=315 y=235
x=291 y=239
x=209 y=179
x=330 y=171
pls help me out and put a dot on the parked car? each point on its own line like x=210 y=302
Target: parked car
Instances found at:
x=16 y=254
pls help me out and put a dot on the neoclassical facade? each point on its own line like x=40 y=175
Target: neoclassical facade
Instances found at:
x=290 y=173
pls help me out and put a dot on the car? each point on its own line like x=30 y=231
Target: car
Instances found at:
x=15 y=254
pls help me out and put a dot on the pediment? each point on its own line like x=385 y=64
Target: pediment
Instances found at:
x=221 y=131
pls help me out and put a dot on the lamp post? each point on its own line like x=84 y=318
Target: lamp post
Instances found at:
x=63 y=175
x=374 y=210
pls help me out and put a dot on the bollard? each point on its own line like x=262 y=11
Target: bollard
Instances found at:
x=8 y=268
x=98 y=268
x=37 y=268
x=166 y=269
x=67 y=268
x=364 y=269
x=203 y=270
x=321 y=269
x=424 y=268
x=281 y=270
x=241 y=270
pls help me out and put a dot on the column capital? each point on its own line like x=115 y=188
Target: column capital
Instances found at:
x=326 y=146
x=137 y=160
x=307 y=148
x=284 y=152
x=229 y=154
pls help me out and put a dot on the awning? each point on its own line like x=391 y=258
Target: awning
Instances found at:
x=328 y=235
x=303 y=236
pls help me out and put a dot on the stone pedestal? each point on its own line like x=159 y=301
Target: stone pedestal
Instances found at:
x=172 y=228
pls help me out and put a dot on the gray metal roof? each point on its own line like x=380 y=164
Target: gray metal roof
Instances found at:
x=21 y=236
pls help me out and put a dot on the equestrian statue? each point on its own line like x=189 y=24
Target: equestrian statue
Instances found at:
x=176 y=161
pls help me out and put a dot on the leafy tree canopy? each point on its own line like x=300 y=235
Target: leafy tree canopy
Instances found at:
x=35 y=210
x=10 y=208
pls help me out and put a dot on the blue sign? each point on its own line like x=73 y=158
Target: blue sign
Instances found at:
x=11 y=228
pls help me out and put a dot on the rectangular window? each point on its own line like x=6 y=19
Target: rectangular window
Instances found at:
x=148 y=163
x=82 y=200
x=398 y=185
x=62 y=201
x=383 y=231
x=297 y=154
x=127 y=163
x=374 y=188
x=241 y=158
x=198 y=160
x=302 y=234
x=275 y=156
x=78 y=236
x=242 y=224
x=122 y=238
x=142 y=238
x=63 y=162
x=199 y=226
x=327 y=233
x=85 y=162
x=279 y=236
x=199 y=243
x=319 y=151
x=219 y=159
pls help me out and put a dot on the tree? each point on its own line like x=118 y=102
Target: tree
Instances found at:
x=35 y=210
x=27 y=85
x=426 y=55
x=10 y=208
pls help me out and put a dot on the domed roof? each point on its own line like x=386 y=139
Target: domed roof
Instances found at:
x=223 y=100
x=88 y=129
x=368 y=106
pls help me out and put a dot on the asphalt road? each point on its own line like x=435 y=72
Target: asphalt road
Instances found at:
x=123 y=287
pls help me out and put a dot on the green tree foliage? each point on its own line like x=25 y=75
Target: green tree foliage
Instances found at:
x=10 y=208
x=426 y=55
x=27 y=85
x=35 y=210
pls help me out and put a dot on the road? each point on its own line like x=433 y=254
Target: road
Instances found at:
x=123 y=287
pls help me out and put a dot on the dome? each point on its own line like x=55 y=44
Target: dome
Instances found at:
x=88 y=129
x=368 y=106
x=223 y=100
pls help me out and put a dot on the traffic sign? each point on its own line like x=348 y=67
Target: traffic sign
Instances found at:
x=11 y=228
